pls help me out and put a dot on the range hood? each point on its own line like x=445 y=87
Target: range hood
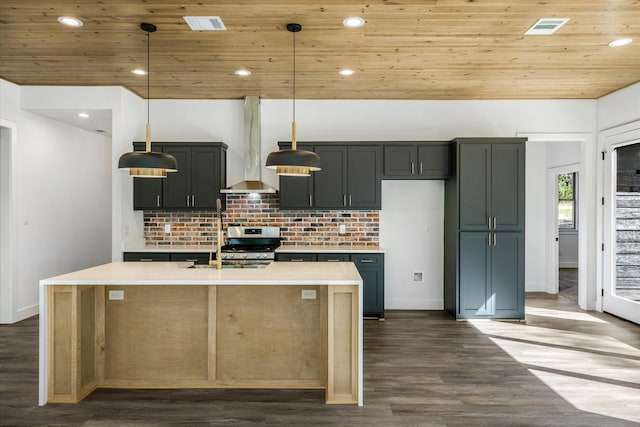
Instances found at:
x=252 y=163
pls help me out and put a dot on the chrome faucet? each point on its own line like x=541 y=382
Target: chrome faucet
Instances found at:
x=218 y=261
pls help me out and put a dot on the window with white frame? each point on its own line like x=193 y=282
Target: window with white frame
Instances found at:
x=567 y=206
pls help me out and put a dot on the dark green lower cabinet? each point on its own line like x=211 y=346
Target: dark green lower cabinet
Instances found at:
x=370 y=267
x=491 y=276
x=147 y=256
x=195 y=257
x=297 y=257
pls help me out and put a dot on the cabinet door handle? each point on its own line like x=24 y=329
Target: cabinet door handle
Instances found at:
x=344 y=200
x=145 y=259
x=191 y=260
x=494 y=239
x=193 y=201
x=333 y=260
x=489 y=222
x=349 y=199
x=420 y=168
x=366 y=261
x=310 y=199
x=158 y=200
x=488 y=239
x=187 y=200
x=494 y=223
x=413 y=167
x=296 y=260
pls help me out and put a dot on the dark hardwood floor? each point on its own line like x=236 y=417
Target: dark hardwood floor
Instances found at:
x=568 y=283
x=562 y=367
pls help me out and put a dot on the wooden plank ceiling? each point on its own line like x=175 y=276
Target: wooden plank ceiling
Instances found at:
x=408 y=49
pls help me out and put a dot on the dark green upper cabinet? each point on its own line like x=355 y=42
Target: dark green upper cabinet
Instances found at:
x=147 y=192
x=363 y=177
x=474 y=180
x=400 y=160
x=176 y=188
x=423 y=160
x=349 y=179
x=197 y=184
x=434 y=161
x=491 y=180
x=296 y=191
x=330 y=183
x=207 y=181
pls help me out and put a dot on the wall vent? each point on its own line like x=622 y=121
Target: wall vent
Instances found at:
x=205 y=23
x=546 y=26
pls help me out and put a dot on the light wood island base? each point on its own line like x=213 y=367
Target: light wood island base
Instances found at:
x=202 y=336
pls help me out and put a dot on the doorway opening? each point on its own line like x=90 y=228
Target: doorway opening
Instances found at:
x=567 y=229
x=7 y=291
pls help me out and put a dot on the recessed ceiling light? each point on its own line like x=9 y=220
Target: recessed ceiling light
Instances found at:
x=353 y=22
x=620 y=42
x=346 y=72
x=83 y=115
x=243 y=73
x=70 y=21
x=139 y=72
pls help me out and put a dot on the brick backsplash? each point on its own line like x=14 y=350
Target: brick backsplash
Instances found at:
x=313 y=227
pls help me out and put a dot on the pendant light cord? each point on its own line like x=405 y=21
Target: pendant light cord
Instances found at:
x=294 y=77
x=148 y=72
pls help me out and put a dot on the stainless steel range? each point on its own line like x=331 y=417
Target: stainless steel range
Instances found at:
x=250 y=247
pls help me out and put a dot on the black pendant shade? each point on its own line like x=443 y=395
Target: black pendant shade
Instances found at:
x=148 y=164
x=293 y=162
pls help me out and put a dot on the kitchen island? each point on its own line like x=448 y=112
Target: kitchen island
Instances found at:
x=163 y=325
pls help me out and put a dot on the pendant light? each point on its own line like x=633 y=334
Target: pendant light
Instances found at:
x=294 y=162
x=148 y=164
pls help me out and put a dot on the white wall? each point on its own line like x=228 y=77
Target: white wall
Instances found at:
x=619 y=108
x=568 y=249
x=412 y=234
x=63 y=179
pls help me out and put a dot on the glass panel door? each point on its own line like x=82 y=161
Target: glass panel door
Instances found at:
x=623 y=296
x=627 y=222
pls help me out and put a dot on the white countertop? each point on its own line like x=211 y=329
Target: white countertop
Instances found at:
x=176 y=273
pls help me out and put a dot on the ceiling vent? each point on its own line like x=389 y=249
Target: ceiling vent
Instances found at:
x=546 y=26
x=205 y=23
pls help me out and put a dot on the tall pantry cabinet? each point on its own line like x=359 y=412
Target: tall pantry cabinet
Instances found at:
x=484 y=229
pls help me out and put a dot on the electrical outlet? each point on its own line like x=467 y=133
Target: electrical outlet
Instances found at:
x=308 y=294
x=167 y=228
x=116 y=295
x=342 y=229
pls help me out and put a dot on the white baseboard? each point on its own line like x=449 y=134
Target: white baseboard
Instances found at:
x=535 y=287
x=26 y=312
x=414 y=304
x=568 y=264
